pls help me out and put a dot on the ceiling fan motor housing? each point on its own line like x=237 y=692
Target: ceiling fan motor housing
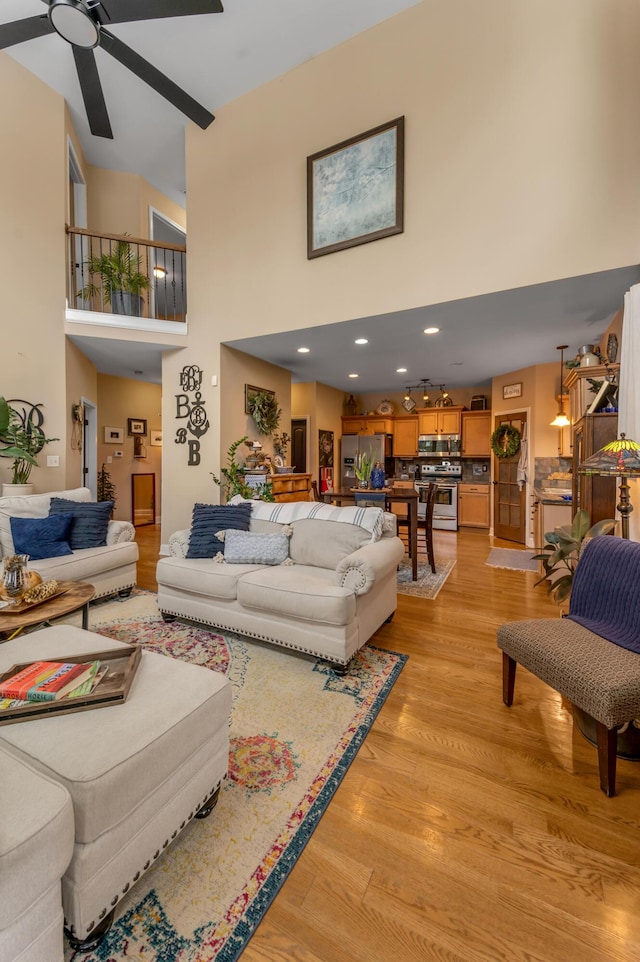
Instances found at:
x=74 y=21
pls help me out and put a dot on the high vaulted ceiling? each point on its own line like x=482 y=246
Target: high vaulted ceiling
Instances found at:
x=217 y=58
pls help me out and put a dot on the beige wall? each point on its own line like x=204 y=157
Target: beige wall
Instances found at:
x=82 y=382
x=118 y=400
x=32 y=253
x=118 y=203
x=516 y=171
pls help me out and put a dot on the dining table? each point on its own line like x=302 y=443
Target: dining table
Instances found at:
x=407 y=496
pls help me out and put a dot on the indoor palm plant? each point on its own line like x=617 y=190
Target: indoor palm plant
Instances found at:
x=21 y=443
x=122 y=281
x=562 y=549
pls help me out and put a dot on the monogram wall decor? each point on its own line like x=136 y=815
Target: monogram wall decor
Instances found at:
x=191 y=410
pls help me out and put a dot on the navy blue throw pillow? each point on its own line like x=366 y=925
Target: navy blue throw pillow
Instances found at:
x=209 y=518
x=90 y=521
x=42 y=537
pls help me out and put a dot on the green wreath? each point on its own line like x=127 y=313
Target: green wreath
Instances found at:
x=505 y=441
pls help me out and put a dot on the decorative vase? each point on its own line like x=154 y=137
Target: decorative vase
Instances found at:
x=377 y=476
x=16 y=575
x=587 y=357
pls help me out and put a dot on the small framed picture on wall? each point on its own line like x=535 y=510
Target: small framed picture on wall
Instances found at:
x=136 y=427
x=113 y=435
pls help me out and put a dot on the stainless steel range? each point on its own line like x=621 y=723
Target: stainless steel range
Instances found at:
x=446 y=474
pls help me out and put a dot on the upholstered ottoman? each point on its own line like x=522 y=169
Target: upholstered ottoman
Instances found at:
x=137 y=772
x=36 y=845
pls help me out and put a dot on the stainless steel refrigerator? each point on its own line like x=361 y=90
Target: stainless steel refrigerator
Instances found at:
x=375 y=446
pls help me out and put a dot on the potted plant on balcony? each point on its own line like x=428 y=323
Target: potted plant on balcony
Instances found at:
x=122 y=281
x=22 y=443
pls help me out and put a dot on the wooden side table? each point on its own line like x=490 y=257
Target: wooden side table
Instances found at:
x=77 y=595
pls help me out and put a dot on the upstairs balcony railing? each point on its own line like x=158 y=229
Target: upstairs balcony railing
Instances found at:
x=119 y=274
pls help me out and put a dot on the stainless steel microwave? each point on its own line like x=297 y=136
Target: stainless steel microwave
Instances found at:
x=438 y=445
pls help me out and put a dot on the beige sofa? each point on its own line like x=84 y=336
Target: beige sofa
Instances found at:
x=109 y=569
x=334 y=592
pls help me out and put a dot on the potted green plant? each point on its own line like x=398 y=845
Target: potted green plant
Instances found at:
x=363 y=468
x=233 y=481
x=561 y=552
x=122 y=281
x=105 y=489
x=263 y=408
x=21 y=445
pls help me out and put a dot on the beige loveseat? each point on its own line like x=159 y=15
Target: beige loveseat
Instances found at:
x=110 y=569
x=337 y=587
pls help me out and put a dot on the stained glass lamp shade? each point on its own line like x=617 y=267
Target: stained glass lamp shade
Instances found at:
x=618 y=459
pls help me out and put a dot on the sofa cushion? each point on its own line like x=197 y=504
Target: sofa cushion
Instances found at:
x=209 y=518
x=202 y=576
x=90 y=521
x=251 y=548
x=325 y=543
x=87 y=563
x=304 y=593
x=30 y=506
x=42 y=537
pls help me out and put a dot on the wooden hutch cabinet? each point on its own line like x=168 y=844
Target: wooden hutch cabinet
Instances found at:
x=598 y=496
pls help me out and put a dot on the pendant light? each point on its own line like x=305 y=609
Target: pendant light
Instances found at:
x=561 y=420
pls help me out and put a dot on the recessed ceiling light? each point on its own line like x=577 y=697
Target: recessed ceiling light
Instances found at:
x=432 y=330
x=401 y=370
x=361 y=340
x=303 y=350
x=354 y=375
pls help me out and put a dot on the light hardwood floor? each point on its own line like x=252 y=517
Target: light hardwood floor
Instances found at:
x=464 y=830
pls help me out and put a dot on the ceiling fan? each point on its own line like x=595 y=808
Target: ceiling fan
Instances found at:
x=82 y=24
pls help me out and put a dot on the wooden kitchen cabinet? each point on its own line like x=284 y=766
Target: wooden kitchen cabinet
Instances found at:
x=580 y=394
x=597 y=495
x=367 y=424
x=476 y=434
x=439 y=420
x=473 y=505
x=405 y=436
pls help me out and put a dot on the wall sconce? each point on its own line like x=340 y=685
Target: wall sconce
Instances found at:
x=618 y=459
x=159 y=272
x=139 y=450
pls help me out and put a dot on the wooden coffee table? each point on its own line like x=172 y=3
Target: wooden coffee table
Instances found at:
x=77 y=595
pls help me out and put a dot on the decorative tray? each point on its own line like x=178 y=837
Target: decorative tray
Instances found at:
x=113 y=689
x=19 y=607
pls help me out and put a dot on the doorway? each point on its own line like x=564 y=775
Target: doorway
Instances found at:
x=509 y=497
x=299 y=429
x=143 y=499
x=167 y=268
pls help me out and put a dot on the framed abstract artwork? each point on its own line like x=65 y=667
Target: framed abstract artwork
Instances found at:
x=355 y=190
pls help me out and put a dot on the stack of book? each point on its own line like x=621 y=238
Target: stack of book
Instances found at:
x=44 y=681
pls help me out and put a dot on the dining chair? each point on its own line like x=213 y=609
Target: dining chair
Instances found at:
x=371 y=499
x=428 y=526
x=314 y=491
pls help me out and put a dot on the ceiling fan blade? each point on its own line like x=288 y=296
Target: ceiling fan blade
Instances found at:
x=125 y=11
x=157 y=80
x=20 y=30
x=92 y=94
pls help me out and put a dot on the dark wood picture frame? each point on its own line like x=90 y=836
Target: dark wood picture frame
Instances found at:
x=355 y=190
x=136 y=427
x=252 y=389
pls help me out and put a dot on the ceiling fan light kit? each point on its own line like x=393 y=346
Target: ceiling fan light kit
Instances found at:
x=81 y=23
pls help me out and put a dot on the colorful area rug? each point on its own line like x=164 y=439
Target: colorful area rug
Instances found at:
x=513 y=558
x=295 y=729
x=428 y=584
